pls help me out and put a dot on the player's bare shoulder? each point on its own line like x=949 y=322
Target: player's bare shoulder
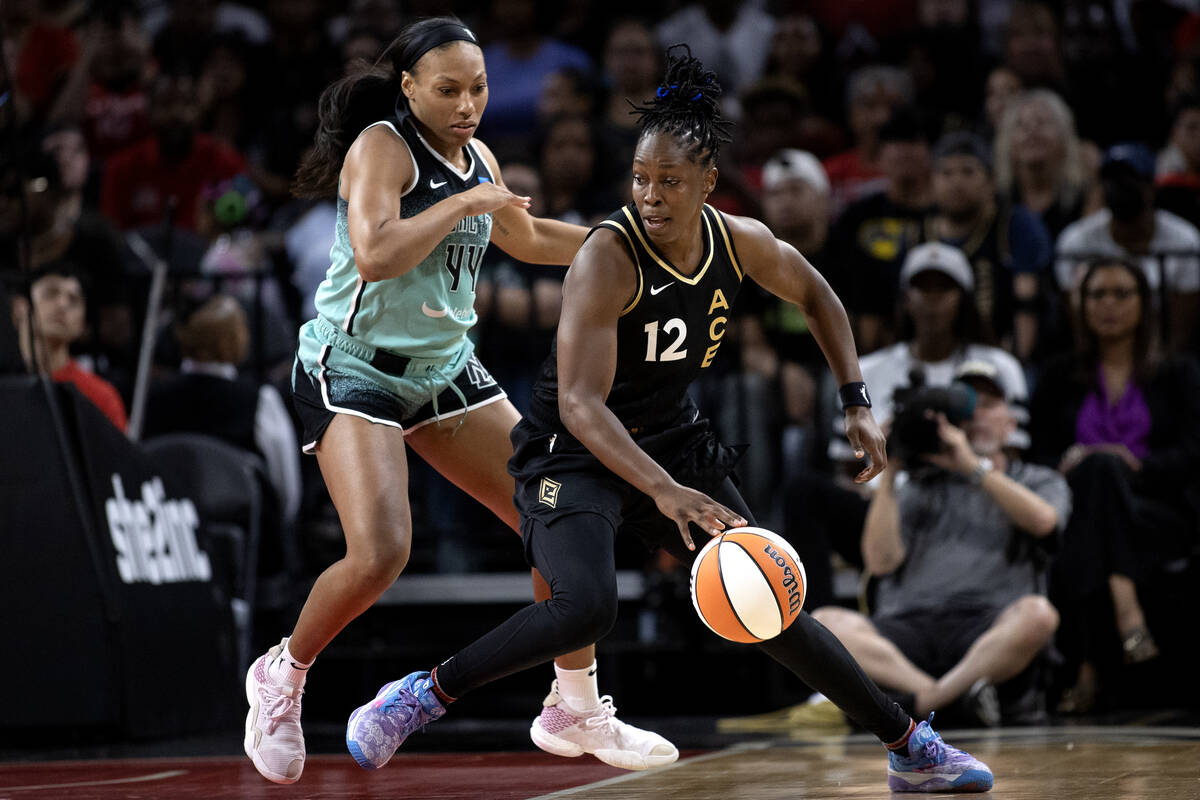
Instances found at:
x=606 y=242
x=603 y=266
x=752 y=239
x=379 y=151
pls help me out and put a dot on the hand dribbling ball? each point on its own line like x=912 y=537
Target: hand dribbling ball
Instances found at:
x=748 y=584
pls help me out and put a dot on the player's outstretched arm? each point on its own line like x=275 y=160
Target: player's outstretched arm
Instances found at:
x=782 y=270
x=598 y=286
x=527 y=238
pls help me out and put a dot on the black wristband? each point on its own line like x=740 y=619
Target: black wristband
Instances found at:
x=854 y=394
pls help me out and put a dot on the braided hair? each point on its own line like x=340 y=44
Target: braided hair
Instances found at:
x=686 y=106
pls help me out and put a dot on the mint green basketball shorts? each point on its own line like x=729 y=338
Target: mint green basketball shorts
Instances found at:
x=336 y=373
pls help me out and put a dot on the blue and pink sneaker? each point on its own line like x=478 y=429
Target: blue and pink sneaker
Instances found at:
x=931 y=765
x=401 y=707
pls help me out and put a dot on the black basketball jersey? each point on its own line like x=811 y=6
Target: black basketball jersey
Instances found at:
x=668 y=333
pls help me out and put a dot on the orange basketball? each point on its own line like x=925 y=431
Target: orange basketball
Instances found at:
x=748 y=584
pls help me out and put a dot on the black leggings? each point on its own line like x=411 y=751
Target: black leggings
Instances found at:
x=575 y=556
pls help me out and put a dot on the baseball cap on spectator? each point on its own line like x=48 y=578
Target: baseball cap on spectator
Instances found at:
x=983 y=375
x=938 y=257
x=963 y=143
x=795 y=164
x=1131 y=155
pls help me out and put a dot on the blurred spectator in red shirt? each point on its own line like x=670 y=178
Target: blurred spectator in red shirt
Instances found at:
x=177 y=161
x=873 y=94
x=105 y=91
x=56 y=297
x=40 y=54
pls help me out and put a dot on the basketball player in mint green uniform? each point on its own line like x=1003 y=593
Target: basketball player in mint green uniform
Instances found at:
x=387 y=364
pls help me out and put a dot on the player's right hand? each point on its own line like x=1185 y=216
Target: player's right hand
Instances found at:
x=685 y=505
x=488 y=197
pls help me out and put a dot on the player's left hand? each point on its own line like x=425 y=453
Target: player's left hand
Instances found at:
x=867 y=440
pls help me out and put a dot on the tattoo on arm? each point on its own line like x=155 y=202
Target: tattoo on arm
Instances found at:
x=503 y=230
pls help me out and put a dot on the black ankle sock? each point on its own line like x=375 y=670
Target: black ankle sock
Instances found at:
x=901 y=743
x=437 y=689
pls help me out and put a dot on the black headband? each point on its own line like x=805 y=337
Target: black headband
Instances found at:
x=435 y=37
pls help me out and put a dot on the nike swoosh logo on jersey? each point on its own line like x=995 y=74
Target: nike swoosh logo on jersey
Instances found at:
x=432 y=312
x=435 y=185
x=656 y=289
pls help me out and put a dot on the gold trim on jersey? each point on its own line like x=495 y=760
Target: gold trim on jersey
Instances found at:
x=728 y=240
x=637 y=265
x=693 y=280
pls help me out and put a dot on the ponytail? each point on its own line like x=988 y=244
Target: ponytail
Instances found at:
x=369 y=93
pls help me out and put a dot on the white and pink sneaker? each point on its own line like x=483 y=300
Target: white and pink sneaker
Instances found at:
x=274 y=740
x=564 y=732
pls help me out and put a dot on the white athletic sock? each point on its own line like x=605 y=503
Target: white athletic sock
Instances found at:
x=577 y=687
x=286 y=669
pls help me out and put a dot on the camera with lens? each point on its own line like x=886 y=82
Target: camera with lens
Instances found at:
x=916 y=406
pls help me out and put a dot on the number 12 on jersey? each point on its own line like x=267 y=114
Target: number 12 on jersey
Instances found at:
x=672 y=353
x=678 y=328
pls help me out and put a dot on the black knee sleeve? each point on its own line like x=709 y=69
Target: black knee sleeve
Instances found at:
x=583 y=605
x=575 y=556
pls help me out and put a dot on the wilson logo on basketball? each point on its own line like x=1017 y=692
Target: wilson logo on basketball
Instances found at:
x=795 y=594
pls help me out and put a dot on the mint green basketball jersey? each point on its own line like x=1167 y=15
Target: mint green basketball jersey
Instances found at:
x=427 y=311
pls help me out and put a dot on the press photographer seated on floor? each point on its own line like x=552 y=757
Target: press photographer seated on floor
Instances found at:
x=939 y=331
x=956 y=536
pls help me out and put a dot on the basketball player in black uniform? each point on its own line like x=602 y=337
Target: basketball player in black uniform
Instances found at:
x=613 y=443
x=386 y=368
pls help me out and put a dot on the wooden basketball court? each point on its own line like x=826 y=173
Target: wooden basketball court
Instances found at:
x=1067 y=763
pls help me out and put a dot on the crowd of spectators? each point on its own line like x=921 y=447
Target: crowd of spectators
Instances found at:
x=1012 y=181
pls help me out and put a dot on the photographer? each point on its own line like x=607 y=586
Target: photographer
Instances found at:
x=939 y=330
x=955 y=543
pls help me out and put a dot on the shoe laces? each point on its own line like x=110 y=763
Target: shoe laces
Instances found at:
x=934 y=749
x=280 y=704
x=605 y=716
x=405 y=705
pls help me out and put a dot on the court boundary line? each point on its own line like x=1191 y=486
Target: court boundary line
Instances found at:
x=156 y=776
x=631 y=776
